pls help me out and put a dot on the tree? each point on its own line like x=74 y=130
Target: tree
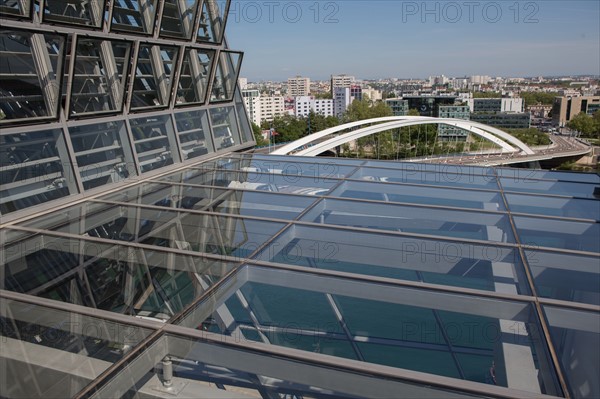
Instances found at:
x=413 y=112
x=260 y=141
x=585 y=124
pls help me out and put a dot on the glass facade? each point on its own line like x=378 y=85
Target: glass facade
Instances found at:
x=264 y=276
x=95 y=94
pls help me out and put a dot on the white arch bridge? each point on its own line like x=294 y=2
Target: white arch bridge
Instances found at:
x=317 y=143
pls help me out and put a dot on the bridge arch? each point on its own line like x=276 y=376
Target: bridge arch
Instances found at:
x=490 y=133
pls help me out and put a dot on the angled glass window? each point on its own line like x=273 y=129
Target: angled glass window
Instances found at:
x=154 y=141
x=212 y=21
x=488 y=200
x=551 y=187
x=60 y=352
x=247 y=133
x=193 y=133
x=30 y=75
x=112 y=277
x=485 y=340
x=407 y=219
x=101 y=68
x=35 y=168
x=226 y=76
x=192 y=86
x=74 y=12
x=575 y=334
x=154 y=74
x=483 y=267
x=427 y=176
x=567 y=277
x=554 y=206
x=249 y=180
x=10 y=8
x=563 y=234
x=178 y=18
x=224 y=127
x=103 y=153
x=526 y=174
x=136 y=16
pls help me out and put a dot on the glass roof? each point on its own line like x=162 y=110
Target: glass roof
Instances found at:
x=261 y=276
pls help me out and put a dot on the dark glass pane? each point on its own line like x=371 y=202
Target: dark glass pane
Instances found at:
x=135 y=16
x=154 y=74
x=154 y=141
x=75 y=12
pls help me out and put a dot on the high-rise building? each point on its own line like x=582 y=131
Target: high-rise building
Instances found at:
x=305 y=104
x=565 y=108
x=341 y=100
x=341 y=81
x=399 y=106
x=298 y=86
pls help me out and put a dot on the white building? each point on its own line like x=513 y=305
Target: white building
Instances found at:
x=373 y=94
x=243 y=82
x=490 y=105
x=304 y=104
x=479 y=79
x=341 y=100
x=298 y=86
x=341 y=81
x=262 y=108
x=252 y=102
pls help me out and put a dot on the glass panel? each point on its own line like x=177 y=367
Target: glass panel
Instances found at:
x=101 y=68
x=103 y=153
x=34 y=169
x=427 y=330
x=435 y=177
x=247 y=133
x=488 y=200
x=214 y=234
x=15 y=8
x=49 y=353
x=299 y=159
x=567 y=277
x=554 y=206
x=558 y=233
x=178 y=18
x=213 y=370
x=214 y=200
x=30 y=75
x=226 y=76
x=154 y=141
x=523 y=174
x=154 y=74
x=138 y=282
x=443 y=169
x=193 y=79
x=569 y=189
x=192 y=129
x=136 y=16
x=224 y=127
x=254 y=181
x=75 y=12
x=406 y=219
x=212 y=21
x=483 y=267
x=575 y=335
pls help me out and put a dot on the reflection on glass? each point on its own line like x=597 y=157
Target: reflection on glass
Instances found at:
x=138 y=282
x=483 y=267
x=135 y=16
x=523 y=174
x=154 y=141
x=15 y=8
x=575 y=334
x=224 y=127
x=440 y=222
x=247 y=134
x=579 y=236
x=101 y=67
x=193 y=79
x=76 y=12
x=432 y=332
x=35 y=168
x=567 y=277
x=154 y=73
x=554 y=206
x=569 y=189
x=249 y=180
x=192 y=129
x=212 y=21
x=58 y=352
x=178 y=18
x=30 y=75
x=226 y=76
x=103 y=154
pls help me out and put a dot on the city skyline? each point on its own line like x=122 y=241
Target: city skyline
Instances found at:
x=382 y=39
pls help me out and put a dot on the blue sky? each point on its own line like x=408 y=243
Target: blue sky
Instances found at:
x=373 y=39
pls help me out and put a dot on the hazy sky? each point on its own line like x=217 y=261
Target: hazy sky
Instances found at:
x=377 y=39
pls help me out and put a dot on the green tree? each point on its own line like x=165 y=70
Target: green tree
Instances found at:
x=585 y=124
x=260 y=141
x=413 y=112
x=486 y=94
